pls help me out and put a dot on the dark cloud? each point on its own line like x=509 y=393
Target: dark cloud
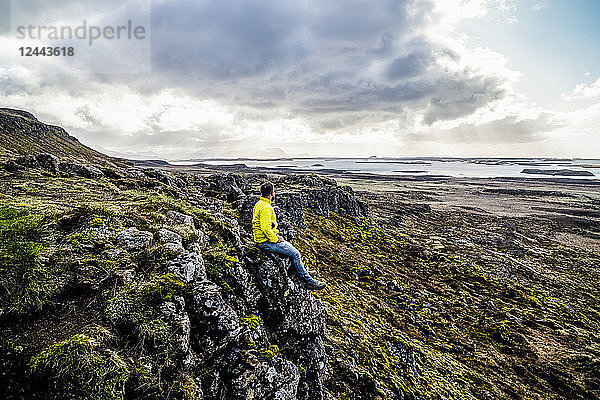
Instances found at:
x=336 y=64
x=314 y=58
x=409 y=66
x=462 y=95
x=226 y=39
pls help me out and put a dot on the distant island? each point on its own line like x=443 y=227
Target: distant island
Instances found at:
x=556 y=172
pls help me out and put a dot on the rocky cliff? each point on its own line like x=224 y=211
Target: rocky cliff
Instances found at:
x=161 y=296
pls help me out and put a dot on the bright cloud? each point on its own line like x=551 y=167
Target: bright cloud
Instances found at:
x=583 y=91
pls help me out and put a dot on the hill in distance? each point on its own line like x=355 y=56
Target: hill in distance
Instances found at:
x=22 y=133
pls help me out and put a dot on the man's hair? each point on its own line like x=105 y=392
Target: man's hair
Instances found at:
x=266 y=189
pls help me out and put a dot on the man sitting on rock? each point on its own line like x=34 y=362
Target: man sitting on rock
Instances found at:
x=264 y=227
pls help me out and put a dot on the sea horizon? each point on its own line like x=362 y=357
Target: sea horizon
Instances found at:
x=465 y=167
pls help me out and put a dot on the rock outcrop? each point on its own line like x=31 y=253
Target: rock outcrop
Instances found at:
x=290 y=205
x=253 y=325
x=309 y=180
x=296 y=319
x=83 y=170
x=191 y=299
x=164 y=177
x=44 y=161
x=335 y=199
x=263 y=339
x=134 y=239
x=188 y=267
x=231 y=184
x=52 y=164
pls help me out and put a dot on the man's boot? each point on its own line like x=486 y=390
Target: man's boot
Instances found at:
x=315 y=285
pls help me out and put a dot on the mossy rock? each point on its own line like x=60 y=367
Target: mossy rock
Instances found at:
x=135 y=304
x=26 y=281
x=82 y=367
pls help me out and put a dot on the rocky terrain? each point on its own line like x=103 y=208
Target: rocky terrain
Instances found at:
x=124 y=281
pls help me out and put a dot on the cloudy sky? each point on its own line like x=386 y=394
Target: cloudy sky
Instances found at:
x=234 y=78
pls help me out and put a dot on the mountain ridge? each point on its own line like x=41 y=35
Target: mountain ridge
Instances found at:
x=21 y=133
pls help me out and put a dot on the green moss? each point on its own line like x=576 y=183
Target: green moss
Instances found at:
x=218 y=262
x=25 y=281
x=96 y=222
x=86 y=241
x=252 y=321
x=185 y=388
x=268 y=353
x=135 y=312
x=156 y=331
x=82 y=367
x=134 y=305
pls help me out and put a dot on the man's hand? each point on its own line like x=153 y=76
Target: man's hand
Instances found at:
x=280 y=239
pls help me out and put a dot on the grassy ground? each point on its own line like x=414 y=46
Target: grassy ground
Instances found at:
x=457 y=305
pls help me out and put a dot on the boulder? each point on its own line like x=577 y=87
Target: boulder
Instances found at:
x=215 y=325
x=169 y=180
x=171 y=240
x=227 y=184
x=13 y=166
x=174 y=312
x=48 y=162
x=27 y=161
x=277 y=379
x=134 y=239
x=179 y=218
x=188 y=267
x=83 y=170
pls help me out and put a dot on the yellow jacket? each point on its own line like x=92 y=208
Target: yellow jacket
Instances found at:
x=264 y=224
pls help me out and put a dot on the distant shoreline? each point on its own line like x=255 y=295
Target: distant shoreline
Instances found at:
x=412 y=167
x=337 y=173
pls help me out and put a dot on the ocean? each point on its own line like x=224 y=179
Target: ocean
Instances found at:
x=428 y=166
